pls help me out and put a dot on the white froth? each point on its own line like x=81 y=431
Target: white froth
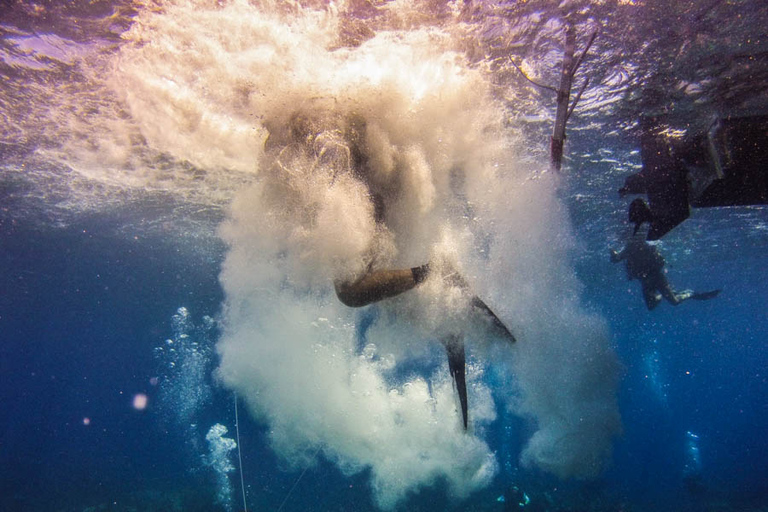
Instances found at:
x=206 y=84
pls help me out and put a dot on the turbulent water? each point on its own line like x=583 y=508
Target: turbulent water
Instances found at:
x=292 y=145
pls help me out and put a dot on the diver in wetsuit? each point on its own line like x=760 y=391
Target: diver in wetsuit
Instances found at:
x=644 y=263
x=337 y=144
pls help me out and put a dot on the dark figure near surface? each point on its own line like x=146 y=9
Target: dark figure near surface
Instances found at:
x=645 y=263
x=723 y=164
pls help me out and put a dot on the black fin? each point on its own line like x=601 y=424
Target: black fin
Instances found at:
x=456 y=365
x=705 y=295
x=494 y=320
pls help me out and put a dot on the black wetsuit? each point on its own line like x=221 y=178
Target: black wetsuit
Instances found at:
x=645 y=263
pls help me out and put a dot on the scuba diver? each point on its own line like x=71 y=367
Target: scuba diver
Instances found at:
x=644 y=263
x=336 y=144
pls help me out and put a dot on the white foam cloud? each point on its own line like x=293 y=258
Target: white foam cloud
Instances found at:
x=401 y=117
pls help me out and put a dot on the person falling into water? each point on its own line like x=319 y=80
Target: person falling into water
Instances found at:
x=375 y=284
x=645 y=263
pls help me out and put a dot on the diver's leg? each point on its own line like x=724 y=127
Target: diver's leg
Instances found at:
x=658 y=281
x=454 y=345
x=379 y=285
x=676 y=298
x=673 y=297
x=651 y=296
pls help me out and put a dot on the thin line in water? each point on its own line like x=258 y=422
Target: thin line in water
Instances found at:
x=297 y=482
x=240 y=455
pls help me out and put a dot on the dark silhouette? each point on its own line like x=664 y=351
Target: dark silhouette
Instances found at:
x=720 y=165
x=645 y=263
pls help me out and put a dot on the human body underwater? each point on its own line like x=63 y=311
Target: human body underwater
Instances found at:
x=645 y=263
x=358 y=188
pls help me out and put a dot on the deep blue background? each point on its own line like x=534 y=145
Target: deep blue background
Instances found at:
x=83 y=307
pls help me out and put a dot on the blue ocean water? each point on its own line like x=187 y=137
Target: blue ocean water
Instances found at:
x=116 y=313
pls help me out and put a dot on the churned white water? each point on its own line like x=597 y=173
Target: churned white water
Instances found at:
x=305 y=118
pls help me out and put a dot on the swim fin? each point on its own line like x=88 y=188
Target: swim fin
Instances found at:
x=498 y=325
x=456 y=365
x=705 y=295
x=456 y=279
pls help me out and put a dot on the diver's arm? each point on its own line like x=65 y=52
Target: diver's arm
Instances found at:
x=379 y=285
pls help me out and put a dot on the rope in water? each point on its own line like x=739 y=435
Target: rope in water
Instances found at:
x=240 y=455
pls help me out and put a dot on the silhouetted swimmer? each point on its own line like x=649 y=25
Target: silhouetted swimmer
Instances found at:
x=645 y=263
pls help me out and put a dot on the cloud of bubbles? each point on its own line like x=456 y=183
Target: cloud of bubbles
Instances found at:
x=386 y=153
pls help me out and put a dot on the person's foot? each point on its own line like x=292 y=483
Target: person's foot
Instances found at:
x=421 y=273
x=706 y=295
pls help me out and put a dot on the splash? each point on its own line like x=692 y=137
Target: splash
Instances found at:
x=218 y=459
x=384 y=152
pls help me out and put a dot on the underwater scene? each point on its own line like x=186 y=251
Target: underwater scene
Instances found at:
x=383 y=255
